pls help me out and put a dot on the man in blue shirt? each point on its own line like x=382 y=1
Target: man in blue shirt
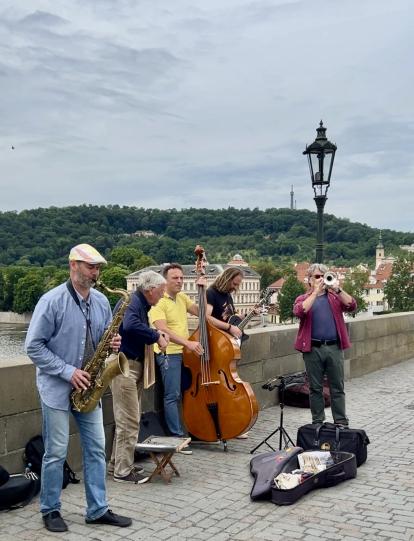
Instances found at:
x=137 y=341
x=61 y=338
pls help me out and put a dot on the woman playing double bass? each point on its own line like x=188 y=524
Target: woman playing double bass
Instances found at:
x=218 y=404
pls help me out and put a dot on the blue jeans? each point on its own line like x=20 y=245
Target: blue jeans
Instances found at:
x=170 y=368
x=56 y=439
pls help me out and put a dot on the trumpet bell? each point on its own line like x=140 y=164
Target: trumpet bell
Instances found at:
x=329 y=278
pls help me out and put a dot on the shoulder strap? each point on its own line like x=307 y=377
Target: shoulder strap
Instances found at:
x=75 y=297
x=72 y=292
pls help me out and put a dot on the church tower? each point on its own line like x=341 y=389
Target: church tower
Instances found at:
x=379 y=252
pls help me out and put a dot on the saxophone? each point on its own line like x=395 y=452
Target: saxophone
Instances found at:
x=101 y=370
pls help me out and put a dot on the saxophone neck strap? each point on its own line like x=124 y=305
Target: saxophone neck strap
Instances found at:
x=75 y=297
x=73 y=293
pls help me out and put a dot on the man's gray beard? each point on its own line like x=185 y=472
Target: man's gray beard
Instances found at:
x=87 y=283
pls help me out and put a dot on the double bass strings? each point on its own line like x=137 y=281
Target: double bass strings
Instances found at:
x=204 y=359
x=203 y=332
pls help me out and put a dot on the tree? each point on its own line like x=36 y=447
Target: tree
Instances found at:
x=268 y=273
x=11 y=277
x=28 y=291
x=399 y=290
x=56 y=277
x=114 y=278
x=125 y=255
x=291 y=289
x=143 y=261
x=355 y=284
x=1 y=290
x=132 y=258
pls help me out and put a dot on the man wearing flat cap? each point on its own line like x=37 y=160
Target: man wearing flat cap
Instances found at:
x=66 y=327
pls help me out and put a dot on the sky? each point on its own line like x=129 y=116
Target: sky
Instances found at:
x=190 y=103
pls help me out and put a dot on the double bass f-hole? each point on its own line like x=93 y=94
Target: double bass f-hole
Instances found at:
x=229 y=386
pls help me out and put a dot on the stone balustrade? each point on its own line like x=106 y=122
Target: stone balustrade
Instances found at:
x=377 y=342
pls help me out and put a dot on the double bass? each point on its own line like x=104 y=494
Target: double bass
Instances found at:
x=217 y=405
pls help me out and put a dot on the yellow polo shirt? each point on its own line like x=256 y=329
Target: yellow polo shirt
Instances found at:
x=174 y=313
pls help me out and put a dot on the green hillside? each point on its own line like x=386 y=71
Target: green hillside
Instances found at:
x=44 y=236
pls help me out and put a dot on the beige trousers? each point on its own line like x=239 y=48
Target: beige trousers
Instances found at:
x=126 y=394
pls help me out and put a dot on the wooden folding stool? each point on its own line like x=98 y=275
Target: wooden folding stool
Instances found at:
x=161 y=450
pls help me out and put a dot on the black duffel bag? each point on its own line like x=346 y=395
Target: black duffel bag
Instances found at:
x=330 y=437
x=298 y=395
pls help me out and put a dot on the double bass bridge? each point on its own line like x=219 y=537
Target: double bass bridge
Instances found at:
x=205 y=383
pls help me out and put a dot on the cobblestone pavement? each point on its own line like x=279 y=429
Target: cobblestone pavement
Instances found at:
x=211 y=498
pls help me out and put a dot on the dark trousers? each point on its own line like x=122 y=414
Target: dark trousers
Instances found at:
x=318 y=362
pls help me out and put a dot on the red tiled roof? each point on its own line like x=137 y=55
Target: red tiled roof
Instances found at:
x=384 y=271
x=278 y=284
x=302 y=270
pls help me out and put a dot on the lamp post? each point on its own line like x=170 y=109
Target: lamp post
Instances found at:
x=321 y=155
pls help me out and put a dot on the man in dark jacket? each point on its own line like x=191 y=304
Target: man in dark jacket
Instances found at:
x=127 y=391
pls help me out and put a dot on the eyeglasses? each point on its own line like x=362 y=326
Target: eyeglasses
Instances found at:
x=317 y=276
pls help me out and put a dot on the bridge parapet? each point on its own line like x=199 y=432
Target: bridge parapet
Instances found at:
x=377 y=342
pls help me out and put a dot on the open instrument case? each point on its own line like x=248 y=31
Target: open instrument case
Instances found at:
x=266 y=466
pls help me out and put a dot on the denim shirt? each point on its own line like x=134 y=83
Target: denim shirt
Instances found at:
x=55 y=340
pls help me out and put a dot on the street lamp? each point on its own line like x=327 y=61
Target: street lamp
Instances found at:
x=321 y=155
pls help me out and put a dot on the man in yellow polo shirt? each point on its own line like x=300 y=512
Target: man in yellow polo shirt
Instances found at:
x=170 y=315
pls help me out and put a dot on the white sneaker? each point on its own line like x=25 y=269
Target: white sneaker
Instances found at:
x=186 y=451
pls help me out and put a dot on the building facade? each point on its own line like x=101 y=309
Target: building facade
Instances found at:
x=374 y=288
x=244 y=300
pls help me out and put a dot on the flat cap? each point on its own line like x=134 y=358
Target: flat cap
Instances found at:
x=87 y=253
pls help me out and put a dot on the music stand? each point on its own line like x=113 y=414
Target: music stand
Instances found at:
x=284 y=383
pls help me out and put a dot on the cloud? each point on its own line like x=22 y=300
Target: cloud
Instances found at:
x=206 y=103
x=41 y=19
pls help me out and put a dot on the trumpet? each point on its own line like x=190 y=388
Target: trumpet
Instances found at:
x=329 y=278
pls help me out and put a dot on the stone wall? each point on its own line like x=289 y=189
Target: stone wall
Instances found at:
x=377 y=342
x=12 y=317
